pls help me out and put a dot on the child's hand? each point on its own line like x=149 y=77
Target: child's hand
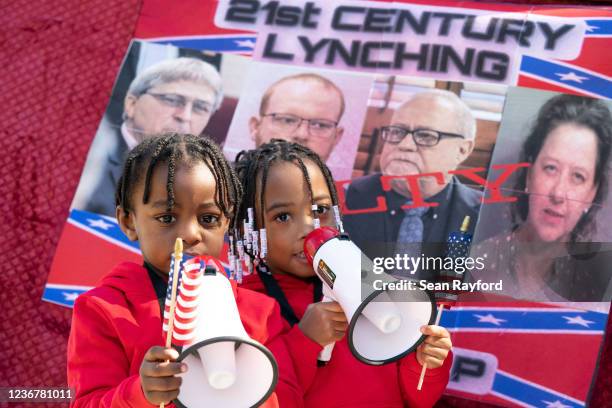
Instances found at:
x=324 y=322
x=157 y=375
x=434 y=350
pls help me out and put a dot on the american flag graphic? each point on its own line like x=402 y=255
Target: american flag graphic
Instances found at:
x=185 y=311
x=187 y=298
x=457 y=247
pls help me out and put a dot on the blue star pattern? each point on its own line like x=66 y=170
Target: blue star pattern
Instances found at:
x=457 y=246
x=528 y=320
x=102 y=226
x=216 y=43
x=524 y=320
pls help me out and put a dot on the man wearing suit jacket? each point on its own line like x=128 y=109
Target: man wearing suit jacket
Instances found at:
x=433 y=132
x=176 y=95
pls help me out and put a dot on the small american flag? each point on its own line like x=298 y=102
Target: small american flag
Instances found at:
x=190 y=274
x=458 y=246
x=188 y=298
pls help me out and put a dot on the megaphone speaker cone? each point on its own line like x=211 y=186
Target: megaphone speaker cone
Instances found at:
x=219 y=363
x=374 y=346
x=384 y=326
x=383 y=314
x=225 y=366
x=254 y=378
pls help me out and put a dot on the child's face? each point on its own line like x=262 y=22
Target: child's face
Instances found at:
x=289 y=217
x=195 y=218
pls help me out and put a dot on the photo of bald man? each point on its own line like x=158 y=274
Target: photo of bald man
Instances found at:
x=322 y=110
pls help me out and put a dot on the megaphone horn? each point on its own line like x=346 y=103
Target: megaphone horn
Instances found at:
x=226 y=368
x=384 y=325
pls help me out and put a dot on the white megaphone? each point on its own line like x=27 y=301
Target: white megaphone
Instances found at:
x=226 y=368
x=383 y=324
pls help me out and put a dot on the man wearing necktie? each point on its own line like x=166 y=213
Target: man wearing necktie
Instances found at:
x=433 y=132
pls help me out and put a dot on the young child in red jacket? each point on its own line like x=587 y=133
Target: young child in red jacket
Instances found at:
x=284 y=182
x=172 y=186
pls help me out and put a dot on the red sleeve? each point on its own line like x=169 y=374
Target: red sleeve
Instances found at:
x=434 y=383
x=98 y=369
x=288 y=390
x=304 y=353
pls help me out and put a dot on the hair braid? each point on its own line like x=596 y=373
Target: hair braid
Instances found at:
x=159 y=145
x=253 y=166
x=175 y=149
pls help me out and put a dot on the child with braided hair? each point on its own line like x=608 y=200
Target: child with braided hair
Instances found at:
x=287 y=190
x=172 y=186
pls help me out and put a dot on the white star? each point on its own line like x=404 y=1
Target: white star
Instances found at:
x=489 y=319
x=245 y=43
x=571 y=76
x=556 y=404
x=591 y=28
x=99 y=224
x=577 y=320
x=70 y=296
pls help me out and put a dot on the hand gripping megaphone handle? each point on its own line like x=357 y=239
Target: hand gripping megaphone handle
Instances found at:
x=326 y=353
x=383 y=325
x=227 y=368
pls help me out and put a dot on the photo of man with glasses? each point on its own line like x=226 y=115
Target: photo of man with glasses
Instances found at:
x=178 y=95
x=433 y=132
x=302 y=108
x=323 y=110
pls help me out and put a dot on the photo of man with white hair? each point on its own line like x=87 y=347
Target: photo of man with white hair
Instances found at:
x=432 y=132
x=174 y=95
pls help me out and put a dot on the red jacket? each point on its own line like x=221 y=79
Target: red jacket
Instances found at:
x=346 y=381
x=114 y=324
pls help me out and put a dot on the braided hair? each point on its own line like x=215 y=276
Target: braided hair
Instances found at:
x=174 y=149
x=254 y=165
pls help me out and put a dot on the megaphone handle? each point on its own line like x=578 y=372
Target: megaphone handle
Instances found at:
x=326 y=353
x=424 y=369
